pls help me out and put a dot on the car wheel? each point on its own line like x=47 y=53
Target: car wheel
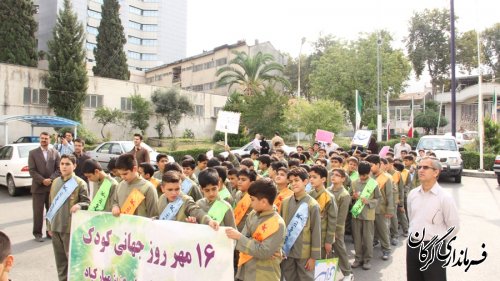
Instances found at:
x=458 y=179
x=498 y=179
x=11 y=186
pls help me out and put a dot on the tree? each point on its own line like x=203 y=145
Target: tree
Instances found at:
x=321 y=114
x=428 y=44
x=106 y=115
x=67 y=79
x=467 y=51
x=171 y=106
x=345 y=67
x=110 y=58
x=139 y=118
x=491 y=37
x=251 y=73
x=17 y=32
x=291 y=72
x=492 y=135
x=428 y=120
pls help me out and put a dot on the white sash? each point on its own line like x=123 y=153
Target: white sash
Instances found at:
x=172 y=209
x=295 y=227
x=186 y=186
x=61 y=197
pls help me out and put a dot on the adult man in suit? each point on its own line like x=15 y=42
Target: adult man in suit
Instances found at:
x=43 y=164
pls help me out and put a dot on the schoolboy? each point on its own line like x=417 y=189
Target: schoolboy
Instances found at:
x=247 y=163
x=201 y=165
x=284 y=192
x=411 y=166
x=336 y=162
x=161 y=161
x=398 y=196
x=401 y=207
x=302 y=245
x=176 y=206
x=189 y=187
x=293 y=163
x=343 y=200
x=264 y=164
x=352 y=171
x=146 y=171
x=232 y=176
x=113 y=171
x=224 y=193
x=135 y=195
x=365 y=193
x=262 y=238
x=254 y=155
x=188 y=166
x=104 y=186
x=327 y=208
x=216 y=208
x=280 y=153
x=68 y=194
x=385 y=206
x=242 y=199
x=274 y=169
x=7 y=259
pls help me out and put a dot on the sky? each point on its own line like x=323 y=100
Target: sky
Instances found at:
x=284 y=23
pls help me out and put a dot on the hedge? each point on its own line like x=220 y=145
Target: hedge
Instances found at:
x=193 y=152
x=471 y=160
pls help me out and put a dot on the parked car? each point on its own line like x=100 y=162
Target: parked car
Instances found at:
x=112 y=149
x=448 y=152
x=28 y=139
x=245 y=150
x=496 y=168
x=14 y=170
x=464 y=138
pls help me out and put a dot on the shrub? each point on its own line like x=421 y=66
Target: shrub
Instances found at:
x=471 y=160
x=193 y=152
x=188 y=134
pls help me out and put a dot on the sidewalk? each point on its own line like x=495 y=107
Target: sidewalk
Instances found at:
x=477 y=174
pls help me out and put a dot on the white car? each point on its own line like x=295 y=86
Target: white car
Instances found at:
x=464 y=138
x=112 y=149
x=245 y=150
x=14 y=170
x=447 y=151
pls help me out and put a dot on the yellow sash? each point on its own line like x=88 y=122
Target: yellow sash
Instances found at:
x=405 y=175
x=284 y=194
x=323 y=199
x=241 y=208
x=263 y=231
x=155 y=182
x=396 y=177
x=134 y=199
x=381 y=180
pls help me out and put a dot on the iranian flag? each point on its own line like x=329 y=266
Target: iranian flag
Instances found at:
x=410 y=123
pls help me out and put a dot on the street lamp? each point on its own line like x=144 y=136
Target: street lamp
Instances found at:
x=379 y=117
x=298 y=82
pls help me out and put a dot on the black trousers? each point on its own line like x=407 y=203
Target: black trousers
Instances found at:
x=435 y=271
x=39 y=201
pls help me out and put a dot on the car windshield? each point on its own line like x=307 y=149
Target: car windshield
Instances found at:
x=437 y=144
x=24 y=150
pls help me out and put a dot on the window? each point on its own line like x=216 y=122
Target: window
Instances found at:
x=27 y=95
x=209 y=64
x=92 y=30
x=197 y=67
x=6 y=153
x=126 y=104
x=150 y=13
x=134 y=10
x=150 y=27
x=220 y=62
x=199 y=110
x=134 y=25
x=149 y=57
x=105 y=148
x=149 y=42
x=134 y=40
x=93 y=101
x=91 y=46
x=197 y=88
x=208 y=86
x=134 y=55
x=94 y=14
x=35 y=96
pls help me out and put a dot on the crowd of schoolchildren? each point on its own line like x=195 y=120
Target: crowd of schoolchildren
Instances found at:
x=284 y=211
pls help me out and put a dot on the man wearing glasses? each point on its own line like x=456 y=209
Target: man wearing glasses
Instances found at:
x=432 y=209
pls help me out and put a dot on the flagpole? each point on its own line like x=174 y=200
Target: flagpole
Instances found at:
x=356 y=112
x=388 y=118
x=480 y=107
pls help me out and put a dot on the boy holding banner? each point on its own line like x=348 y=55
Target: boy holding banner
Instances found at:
x=327 y=208
x=302 y=245
x=135 y=195
x=104 y=186
x=262 y=238
x=176 y=206
x=366 y=194
x=216 y=208
x=68 y=194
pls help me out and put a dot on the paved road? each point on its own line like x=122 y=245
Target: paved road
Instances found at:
x=478 y=201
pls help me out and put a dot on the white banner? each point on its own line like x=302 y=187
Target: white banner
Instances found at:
x=130 y=248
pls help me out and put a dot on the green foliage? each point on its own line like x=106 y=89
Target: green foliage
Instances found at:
x=82 y=133
x=492 y=135
x=233 y=140
x=106 y=115
x=171 y=106
x=110 y=57
x=140 y=117
x=252 y=73
x=17 y=32
x=428 y=120
x=471 y=160
x=345 y=67
x=173 y=145
x=193 y=152
x=428 y=44
x=160 y=128
x=291 y=72
x=67 y=79
x=492 y=47
x=188 y=134
x=321 y=114
x=372 y=125
x=467 y=51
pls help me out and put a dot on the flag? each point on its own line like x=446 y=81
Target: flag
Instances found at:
x=410 y=123
x=359 y=107
x=494 y=107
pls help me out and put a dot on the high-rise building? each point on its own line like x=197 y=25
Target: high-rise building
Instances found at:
x=156 y=30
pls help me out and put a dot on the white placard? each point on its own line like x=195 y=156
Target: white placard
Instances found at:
x=362 y=138
x=228 y=122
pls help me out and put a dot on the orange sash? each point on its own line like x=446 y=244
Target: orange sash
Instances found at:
x=396 y=177
x=284 y=194
x=134 y=199
x=323 y=199
x=381 y=180
x=241 y=208
x=263 y=231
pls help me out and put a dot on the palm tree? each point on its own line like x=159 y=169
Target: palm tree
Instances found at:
x=251 y=73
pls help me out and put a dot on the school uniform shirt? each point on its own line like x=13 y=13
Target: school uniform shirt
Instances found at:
x=308 y=244
x=398 y=187
x=149 y=206
x=239 y=196
x=228 y=220
x=368 y=212
x=267 y=255
x=158 y=175
x=328 y=213
x=343 y=200
x=112 y=192
x=386 y=201
x=62 y=218
x=188 y=209
x=282 y=195
x=195 y=191
x=229 y=199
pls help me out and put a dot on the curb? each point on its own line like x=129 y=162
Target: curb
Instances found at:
x=476 y=174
